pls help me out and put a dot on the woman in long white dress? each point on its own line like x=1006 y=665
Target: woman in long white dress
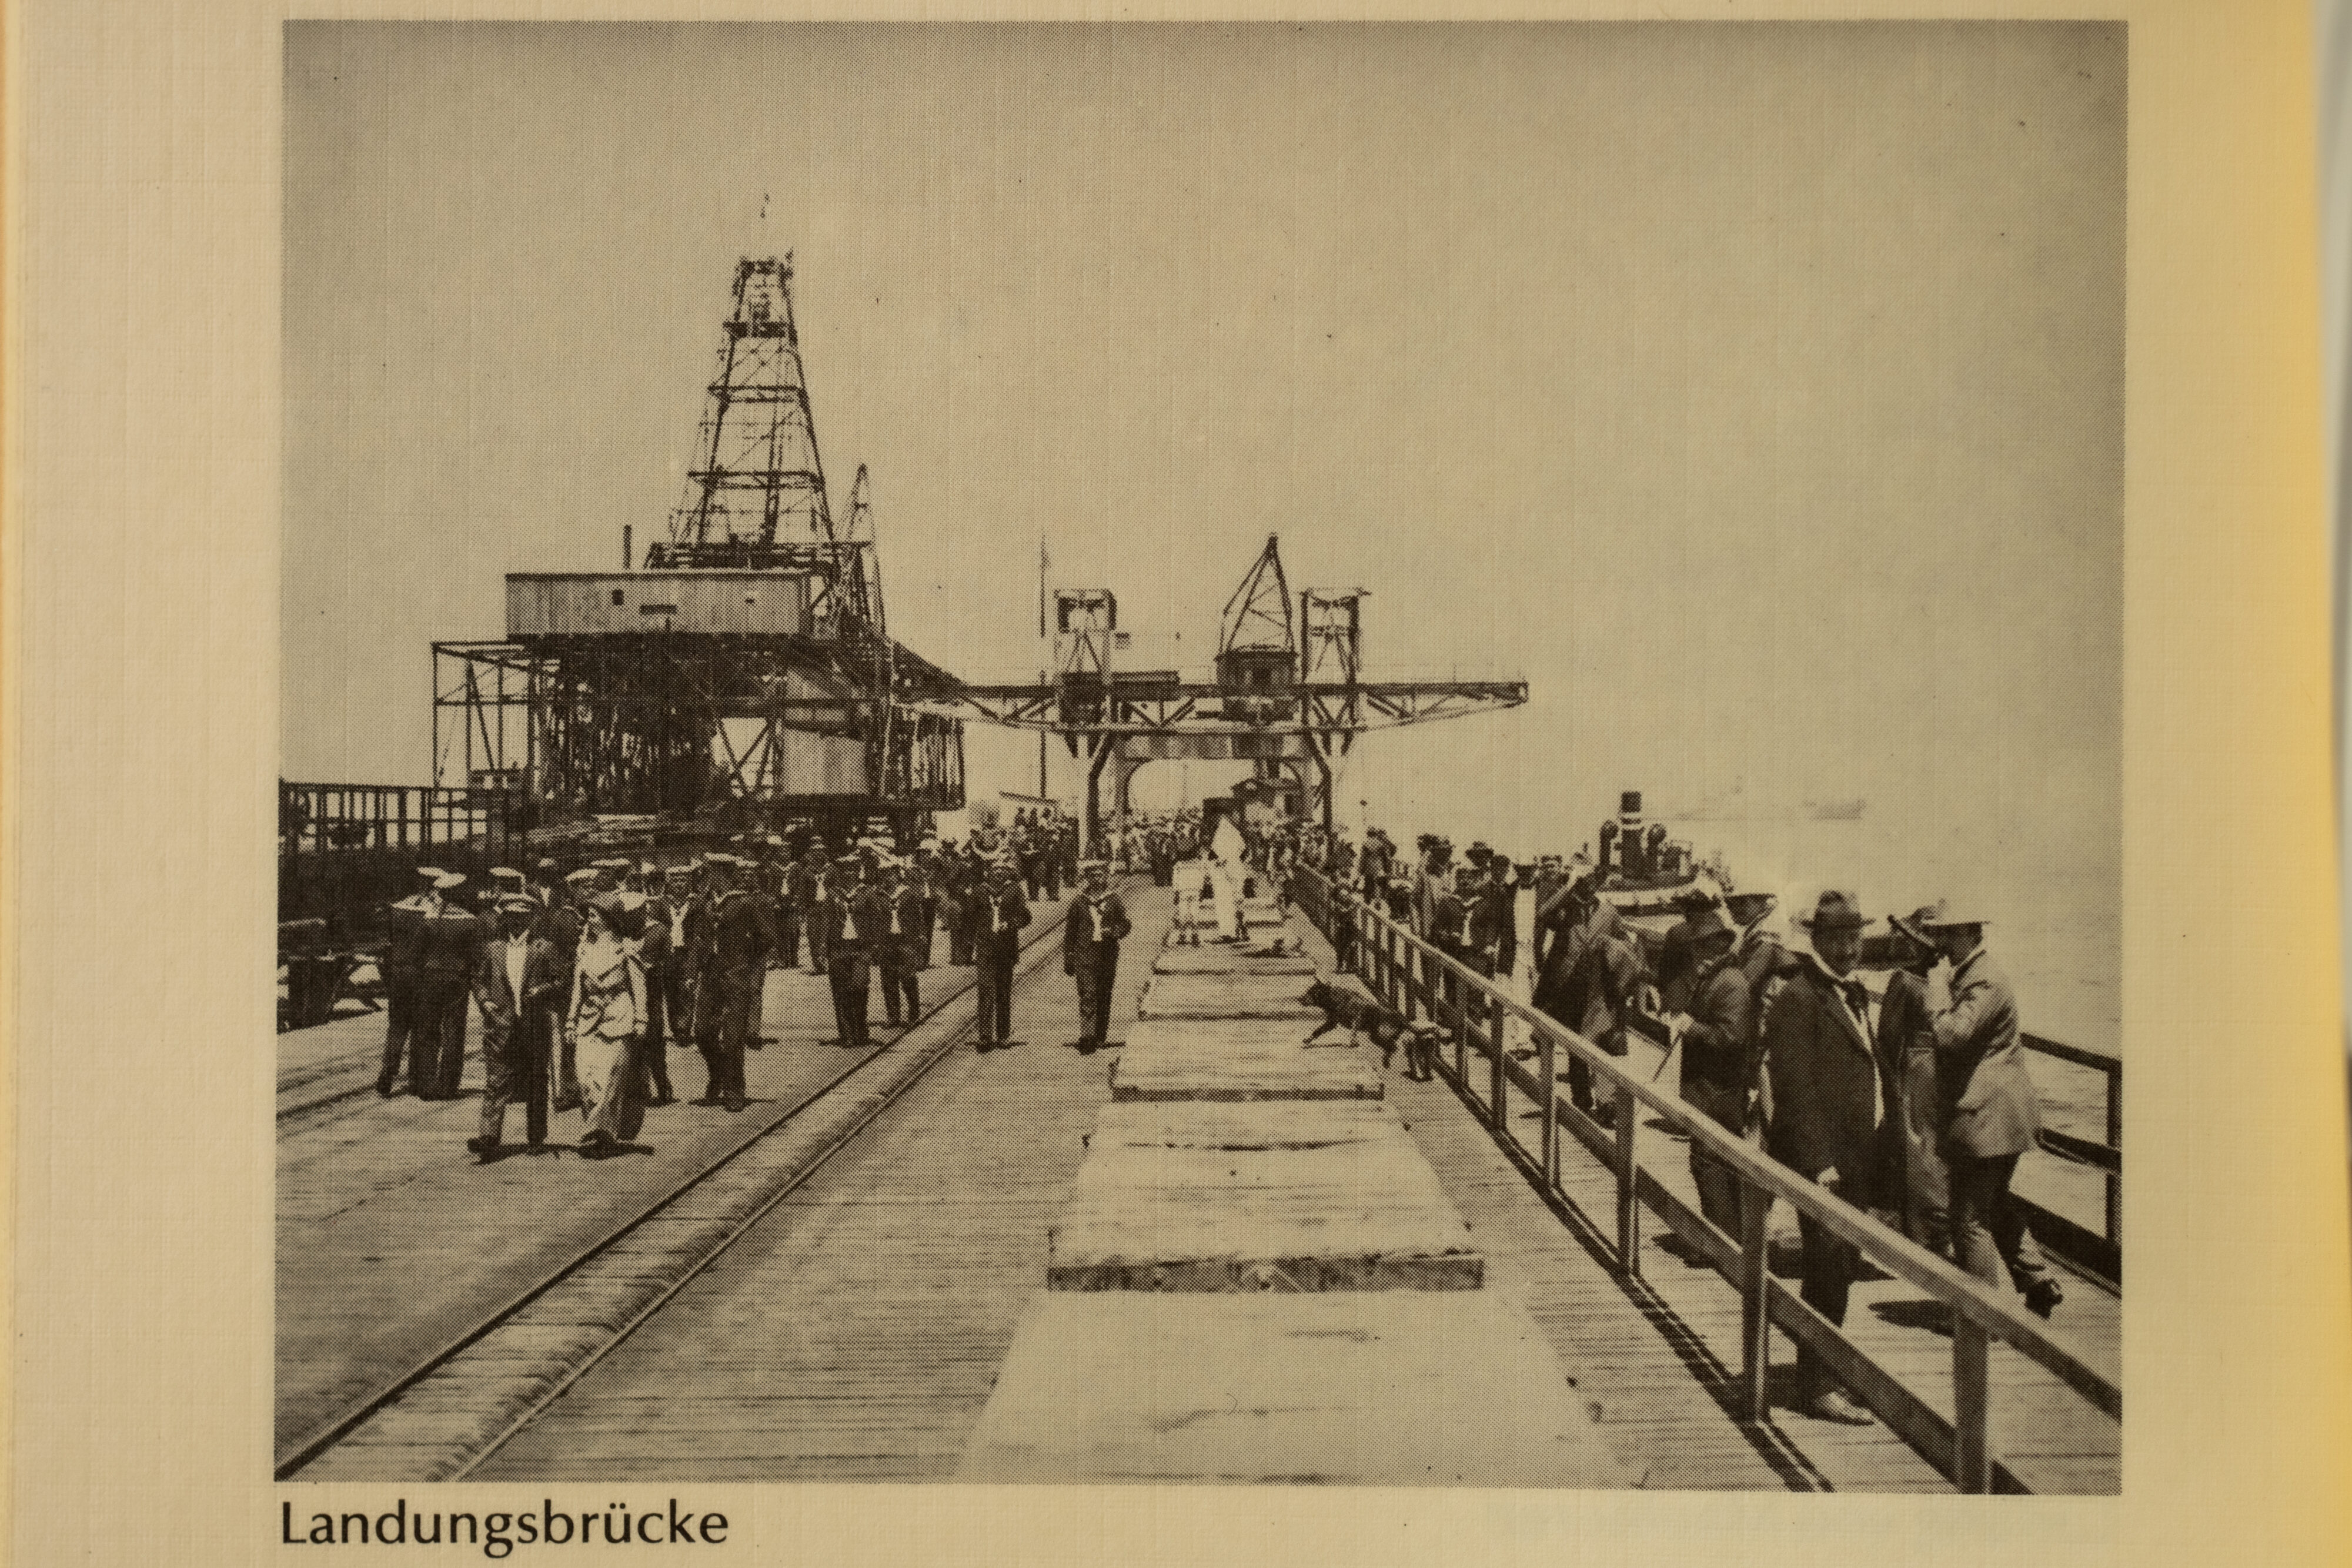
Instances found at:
x=604 y=1023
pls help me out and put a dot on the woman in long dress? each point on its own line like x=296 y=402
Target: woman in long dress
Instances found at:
x=605 y=1022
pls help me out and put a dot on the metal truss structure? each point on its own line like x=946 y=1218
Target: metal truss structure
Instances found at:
x=1288 y=695
x=834 y=723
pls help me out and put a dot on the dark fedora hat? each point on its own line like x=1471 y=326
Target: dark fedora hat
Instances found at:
x=1837 y=910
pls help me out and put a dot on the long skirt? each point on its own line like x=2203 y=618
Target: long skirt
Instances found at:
x=611 y=1099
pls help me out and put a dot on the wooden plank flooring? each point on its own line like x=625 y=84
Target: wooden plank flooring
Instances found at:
x=391 y=1239
x=856 y=1331
x=1660 y=1353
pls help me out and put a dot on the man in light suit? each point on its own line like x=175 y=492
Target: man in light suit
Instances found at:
x=518 y=984
x=1828 y=1102
x=1994 y=1114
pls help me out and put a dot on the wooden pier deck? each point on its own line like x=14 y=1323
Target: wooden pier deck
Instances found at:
x=858 y=1331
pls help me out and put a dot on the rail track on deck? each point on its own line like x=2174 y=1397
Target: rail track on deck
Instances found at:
x=322 y=1440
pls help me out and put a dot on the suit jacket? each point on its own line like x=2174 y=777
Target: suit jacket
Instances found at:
x=1607 y=981
x=452 y=942
x=871 y=908
x=1009 y=909
x=740 y=935
x=1716 y=1047
x=652 y=932
x=1559 y=988
x=545 y=975
x=1826 y=1095
x=1463 y=927
x=405 y=923
x=1080 y=943
x=1502 y=901
x=907 y=903
x=1980 y=1065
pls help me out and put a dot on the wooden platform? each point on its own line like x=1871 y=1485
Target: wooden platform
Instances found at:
x=1366 y=1388
x=1226 y=958
x=1296 y=1197
x=1241 y=1060
x=1227 y=995
x=1260 y=1125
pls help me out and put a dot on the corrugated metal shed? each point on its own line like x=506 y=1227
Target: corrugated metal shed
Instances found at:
x=573 y=604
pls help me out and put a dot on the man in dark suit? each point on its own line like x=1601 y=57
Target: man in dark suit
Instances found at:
x=561 y=925
x=854 y=918
x=452 y=947
x=775 y=883
x=895 y=944
x=1994 y=1112
x=1462 y=926
x=402 y=969
x=1717 y=1064
x=1828 y=1103
x=1501 y=894
x=658 y=921
x=518 y=985
x=998 y=913
x=1090 y=942
x=813 y=887
x=730 y=968
x=1906 y=1055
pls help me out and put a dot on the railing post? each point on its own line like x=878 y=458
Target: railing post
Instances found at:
x=2115 y=1141
x=1971 y=1455
x=1629 y=1209
x=1755 y=1317
x=1550 y=1103
x=1498 y=1081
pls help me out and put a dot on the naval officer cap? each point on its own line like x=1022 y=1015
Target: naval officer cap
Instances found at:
x=582 y=877
x=518 y=903
x=506 y=874
x=449 y=881
x=430 y=873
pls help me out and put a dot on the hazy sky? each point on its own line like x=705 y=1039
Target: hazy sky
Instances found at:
x=1755 y=392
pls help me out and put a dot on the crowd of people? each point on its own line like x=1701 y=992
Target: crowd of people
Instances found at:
x=1913 y=1103
x=583 y=978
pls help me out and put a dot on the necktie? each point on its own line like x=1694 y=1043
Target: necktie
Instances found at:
x=894 y=918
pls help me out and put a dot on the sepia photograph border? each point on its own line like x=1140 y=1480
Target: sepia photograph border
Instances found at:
x=137 y=813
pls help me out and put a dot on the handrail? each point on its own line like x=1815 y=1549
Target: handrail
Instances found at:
x=1978 y=1315
x=2099 y=1251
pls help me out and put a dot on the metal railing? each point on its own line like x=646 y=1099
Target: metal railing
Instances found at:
x=1417 y=979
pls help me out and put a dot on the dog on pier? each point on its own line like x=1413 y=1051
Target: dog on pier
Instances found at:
x=1385 y=1027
